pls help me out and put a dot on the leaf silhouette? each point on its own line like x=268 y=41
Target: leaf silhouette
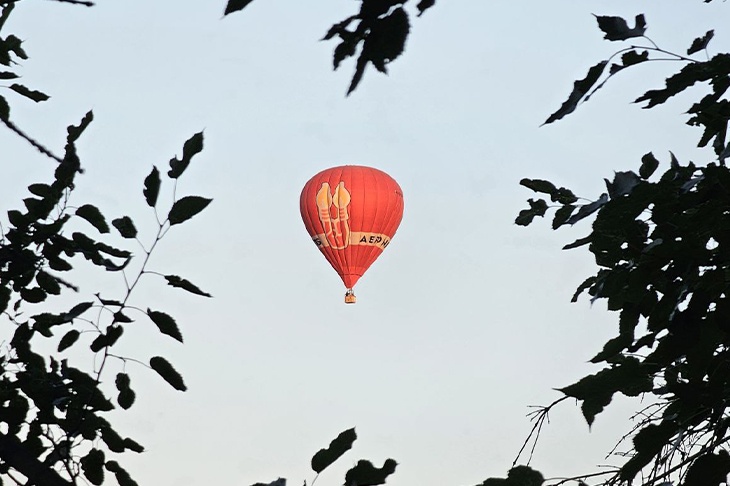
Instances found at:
x=186 y=207
x=176 y=281
x=580 y=89
x=588 y=209
x=701 y=42
x=167 y=372
x=537 y=208
x=74 y=132
x=339 y=445
x=68 y=339
x=365 y=474
x=92 y=214
x=152 y=187
x=31 y=94
x=4 y=109
x=125 y=226
x=121 y=475
x=92 y=465
x=424 y=5
x=235 y=6
x=387 y=39
x=126 y=396
x=166 y=324
x=191 y=147
x=616 y=28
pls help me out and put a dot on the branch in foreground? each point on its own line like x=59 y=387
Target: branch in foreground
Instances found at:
x=16 y=455
x=76 y=2
x=30 y=140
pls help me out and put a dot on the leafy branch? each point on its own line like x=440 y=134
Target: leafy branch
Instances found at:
x=381 y=28
x=711 y=112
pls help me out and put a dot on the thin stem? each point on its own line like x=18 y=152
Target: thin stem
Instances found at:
x=76 y=2
x=12 y=126
x=124 y=360
x=539 y=417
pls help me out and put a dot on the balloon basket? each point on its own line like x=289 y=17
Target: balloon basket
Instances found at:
x=350 y=297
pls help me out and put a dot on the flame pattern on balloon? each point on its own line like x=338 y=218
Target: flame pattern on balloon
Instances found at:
x=354 y=222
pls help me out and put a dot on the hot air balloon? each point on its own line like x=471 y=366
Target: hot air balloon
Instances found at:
x=351 y=212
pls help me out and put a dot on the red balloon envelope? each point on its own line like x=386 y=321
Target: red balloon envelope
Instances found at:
x=351 y=212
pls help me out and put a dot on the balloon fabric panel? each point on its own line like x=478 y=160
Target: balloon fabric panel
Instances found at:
x=351 y=213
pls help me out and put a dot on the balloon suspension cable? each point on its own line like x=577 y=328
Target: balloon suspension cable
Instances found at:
x=350 y=297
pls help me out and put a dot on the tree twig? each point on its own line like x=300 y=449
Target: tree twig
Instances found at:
x=76 y=2
x=12 y=126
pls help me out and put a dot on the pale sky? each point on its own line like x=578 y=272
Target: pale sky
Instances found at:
x=461 y=324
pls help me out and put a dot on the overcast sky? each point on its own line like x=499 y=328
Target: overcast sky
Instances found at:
x=463 y=322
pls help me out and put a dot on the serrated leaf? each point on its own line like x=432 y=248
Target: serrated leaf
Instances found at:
x=92 y=214
x=580 y=89
x=524 y=476
x=126 y=399
x=152 y=187
x=344 y=49
x=616 y=28
x=68 y=339
x=167 y=372
x=112 y=439
x=48 y=283
x=562 y=215
x=120 y=474
x=40 y=190
x=108 y=339
x=365 y=474
x=122 y=381
x=360 y=66
x=387 y=39
x=191 y=147
x=133 y=445
x=340 y=29
x=588 y=209
x=92 y=464
x=110 y=302
x=701 y=42
x=166 y=324
x=125 y=226
x=649 y=164
x=623 y=184
x=8 y=75
x=537 y=208
x=179 y=282
x=339 y=445
x=630 y=58
x=424 y=5
x=78 y=309
x=278 y=482
x=34 y=295
x=13 y=44
x=73 y=132
x=31 y=94
x=185 y=208
x=578 y=242
x=539 y=185
x=119 y=316
x=235 y=6
x=17 y=218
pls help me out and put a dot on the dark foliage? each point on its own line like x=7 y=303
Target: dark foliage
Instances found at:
x=51 y=411
x=662 y=247
x=379 y=30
